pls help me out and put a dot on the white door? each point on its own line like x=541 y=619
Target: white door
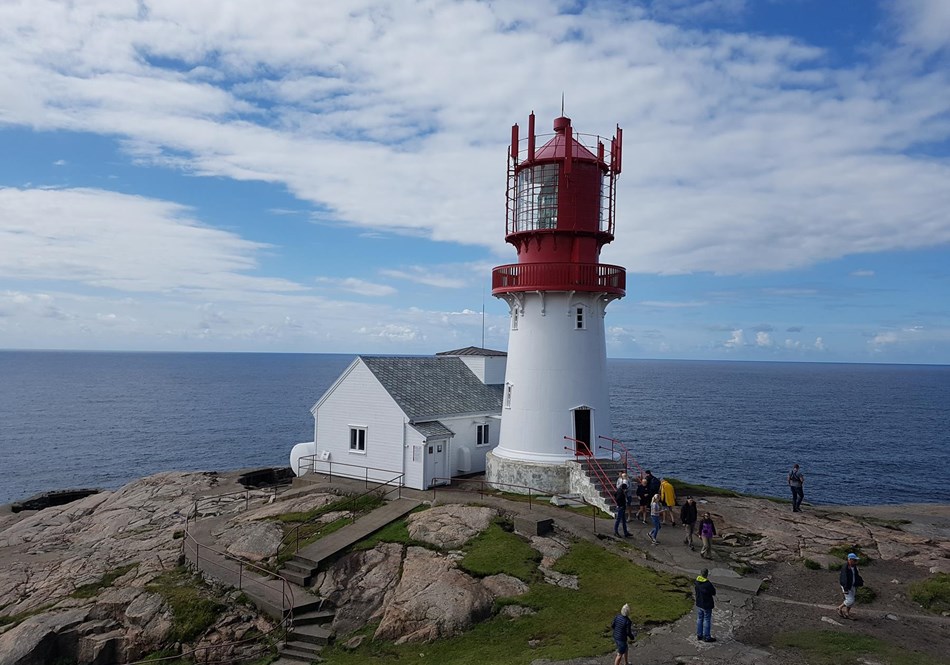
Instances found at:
x=436 y=465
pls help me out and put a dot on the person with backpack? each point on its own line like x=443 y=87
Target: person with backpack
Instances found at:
x=623 y=631
x=705 y=602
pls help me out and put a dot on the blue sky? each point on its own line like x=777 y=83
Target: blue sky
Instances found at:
x=297 y=176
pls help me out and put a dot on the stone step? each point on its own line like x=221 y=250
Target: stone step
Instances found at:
x=299 y=646
x=301 y=579
x=297 y=566
x=312 y=634
x=288 y=653
x=313 y=616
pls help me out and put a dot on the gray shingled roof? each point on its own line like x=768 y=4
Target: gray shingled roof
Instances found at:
x=430 y=387
x=472 y=351
x=432 y=428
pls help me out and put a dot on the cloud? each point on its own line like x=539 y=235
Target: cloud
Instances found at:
x=737 y=340
x=795 y=329
x=763 y=327
x=924 y=24
x=752 y=154
x=428 y=276
x=819 y=344
x=125 y=243
x=763 y=339
x=358 y=286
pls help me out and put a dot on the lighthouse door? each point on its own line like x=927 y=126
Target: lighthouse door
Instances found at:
x=436 y=467
x=582 y=432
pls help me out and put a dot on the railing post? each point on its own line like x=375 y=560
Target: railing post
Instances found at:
x=530 y=506
x=241 y=575
x=296 y=539
x=247 y=498
x=197 y=556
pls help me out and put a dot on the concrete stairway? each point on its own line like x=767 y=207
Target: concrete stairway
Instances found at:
x=310 y=632
x=604 y=491
x=301 y=568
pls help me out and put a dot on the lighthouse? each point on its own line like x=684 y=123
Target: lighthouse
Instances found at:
x=560 y=213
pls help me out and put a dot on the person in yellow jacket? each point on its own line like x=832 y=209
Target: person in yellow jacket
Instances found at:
x=668 y=497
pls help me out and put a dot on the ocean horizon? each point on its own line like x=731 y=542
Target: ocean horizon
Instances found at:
x=863 y=433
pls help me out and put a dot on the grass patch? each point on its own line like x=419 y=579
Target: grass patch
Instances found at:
x=865 y=595
x=684 y=489
x=359 y=504
x=824 y=647
x=842 y=551
x=193 y=612
x=93 y=588
x=497 y=550
x=20 y=617
x=568 y=624
x=811 y=564
x=932 y=593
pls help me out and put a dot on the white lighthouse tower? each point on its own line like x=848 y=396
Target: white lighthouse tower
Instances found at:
x=560 y=212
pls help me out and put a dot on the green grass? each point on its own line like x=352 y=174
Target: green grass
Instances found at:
x=568 y=623
x=360 y=504
x=865 y=595
x=811 y=564
x=932 y=593
x=20 y=617
x=497 y=550
x=93 y=588
x=394 y=532
x=193 y=612
x=824 y=647
x=684 y=489
x=842 y=551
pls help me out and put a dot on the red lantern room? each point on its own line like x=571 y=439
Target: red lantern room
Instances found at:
x=560 y=212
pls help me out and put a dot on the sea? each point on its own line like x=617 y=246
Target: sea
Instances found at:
x=863 y=433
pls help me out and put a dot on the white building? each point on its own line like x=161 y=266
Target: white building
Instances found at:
x=418 y=419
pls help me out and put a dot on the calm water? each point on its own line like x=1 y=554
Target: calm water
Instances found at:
x=862 y=433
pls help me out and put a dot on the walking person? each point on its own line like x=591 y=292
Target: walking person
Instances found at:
x=624 y=479
x=668 y=496
x=653 y=484
x=623 y=630
x=796 y=481
x=656 y=510
x=705 y=602
x=850 y=580
x=688 y=518
x=707 y=530
x=643 y=499
x=620 y=498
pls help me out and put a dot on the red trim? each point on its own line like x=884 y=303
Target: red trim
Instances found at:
x=588 y=277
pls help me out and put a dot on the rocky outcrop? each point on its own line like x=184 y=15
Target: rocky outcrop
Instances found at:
x=254 y=541
x=433 y=599
x=360 y=585
x=449 y=526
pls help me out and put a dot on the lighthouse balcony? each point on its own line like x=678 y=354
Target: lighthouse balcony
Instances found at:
x=594 y=277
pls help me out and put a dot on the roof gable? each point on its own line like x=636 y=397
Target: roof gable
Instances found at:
x=426 y=387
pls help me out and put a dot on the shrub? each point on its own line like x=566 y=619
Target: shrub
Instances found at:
x=811 y=564
x=932 y=593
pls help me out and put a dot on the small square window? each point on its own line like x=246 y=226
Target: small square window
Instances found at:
x=357 y=439
x=579 y=323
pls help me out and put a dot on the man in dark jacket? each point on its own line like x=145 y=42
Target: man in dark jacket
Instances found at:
x=850 y=580
x=621 y=500
x=688 y=519
x=653 y=484
x=705 y=592
x=623 y=630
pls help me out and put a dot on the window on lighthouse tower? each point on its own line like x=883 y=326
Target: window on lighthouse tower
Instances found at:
x=579 y=323
x=536 y=198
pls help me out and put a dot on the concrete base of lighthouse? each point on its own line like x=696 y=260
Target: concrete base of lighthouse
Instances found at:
x=553 y=478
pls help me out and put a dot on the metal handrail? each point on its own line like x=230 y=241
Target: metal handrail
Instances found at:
x=598 y=469
x=246 y=493
x=627 y=457
x=287 y=596
x=295 y=532
x=494 y=485
x=313 y=459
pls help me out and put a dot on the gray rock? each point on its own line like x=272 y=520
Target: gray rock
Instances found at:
x=36 y=640
x=254 y=541
x=434 y=599
x=501 y=586
x=449 y=526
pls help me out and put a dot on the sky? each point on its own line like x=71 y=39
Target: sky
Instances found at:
x=329 y=177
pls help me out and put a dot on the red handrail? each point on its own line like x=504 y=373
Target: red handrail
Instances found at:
x=598 y=469
x=627 y=457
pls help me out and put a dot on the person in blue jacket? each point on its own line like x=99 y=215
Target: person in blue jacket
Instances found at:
x=623 y=631
x=620 y=498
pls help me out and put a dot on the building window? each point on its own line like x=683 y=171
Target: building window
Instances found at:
x=481 y=435
x=508 y=389
x=579 y=322
x=514 y=318
x=357 y=439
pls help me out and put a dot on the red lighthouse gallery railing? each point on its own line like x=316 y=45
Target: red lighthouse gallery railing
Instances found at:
x=595 y=277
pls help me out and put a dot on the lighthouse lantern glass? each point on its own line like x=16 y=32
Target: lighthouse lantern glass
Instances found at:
x=536 y=198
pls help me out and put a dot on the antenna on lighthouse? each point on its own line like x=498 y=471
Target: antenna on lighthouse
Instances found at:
x=562 y=104
x=483 y=319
